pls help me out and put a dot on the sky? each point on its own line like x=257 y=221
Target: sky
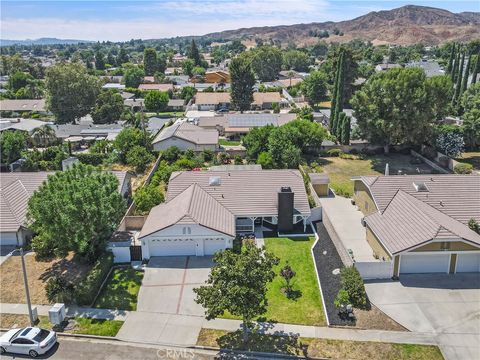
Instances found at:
x=122 y=20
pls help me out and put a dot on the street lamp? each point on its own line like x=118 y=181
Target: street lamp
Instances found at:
x=27 y=292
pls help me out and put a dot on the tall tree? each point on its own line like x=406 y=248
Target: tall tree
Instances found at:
x=90 y=206
x=441 y=90
x=71 y=91
x=242 y=82
x=471 y=117
x=333 y=103
x=466 y=74
x=238 y=284
x=122 y=57
x=266 y=62
x=394 y=107
x=99 y=61
x=339 y=95
x=458 y=83
x=12 y=143
x=156 y=101
x=314 y=87
x=456 y=65
x=133 y=76
x=346 y=128
x=150 y=61
x=451 y=59
x=194 y=54
x=108 y=107
x=476 y=69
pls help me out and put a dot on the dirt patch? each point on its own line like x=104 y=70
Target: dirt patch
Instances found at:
x=12 y=321
x=38 y=272
x=375 y=319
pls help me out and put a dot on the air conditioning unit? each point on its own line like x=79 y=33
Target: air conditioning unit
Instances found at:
x=56 y=314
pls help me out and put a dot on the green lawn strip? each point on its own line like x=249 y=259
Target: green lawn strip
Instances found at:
x=320 y=348
x=121 y=290
x=226 y=142
x=305 y=309
x=87 y=326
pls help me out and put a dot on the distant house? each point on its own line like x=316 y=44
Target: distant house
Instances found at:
x=159 y=87
x=21 y=105
x=386 y=66
x=176 y=105
x=217 y=76
x=27 y=125
x=134 y=103
x=116 y=86
x=148 y=79
x=16 y=188
x=212 y=101
x=265 y=100
x=76 y=133
x=186 y=136
x=431 y=68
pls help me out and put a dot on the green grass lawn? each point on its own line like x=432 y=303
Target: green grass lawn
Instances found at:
x=318 y=348
x=341 y=171
x=228 y=142
x=307 y=308
x=121 y=290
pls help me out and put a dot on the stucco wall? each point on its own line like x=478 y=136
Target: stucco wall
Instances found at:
x=454 y=246
x=376 y=246
x=363 y=199
x=321 y=189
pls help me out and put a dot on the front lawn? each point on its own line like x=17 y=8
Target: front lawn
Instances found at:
x=226 y=142
x=38 y=272
x=121 y=290
x=341 y=171
x=85 y=326
x=318 y=348
x=306 y=308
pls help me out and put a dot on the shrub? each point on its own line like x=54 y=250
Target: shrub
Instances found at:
x=334 y=152
x=342 y=298
x=171 y=154
x=139 y=157
x=59 y=290
x=463 y=168
x=146 y=198
x=207 y=155
x=94 y=159
x=87 y=289
x=352 y=282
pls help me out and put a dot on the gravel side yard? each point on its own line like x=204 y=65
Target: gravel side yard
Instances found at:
x=327 y=260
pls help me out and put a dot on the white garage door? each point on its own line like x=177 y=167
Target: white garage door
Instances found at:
x=172 y=247
x=214 y=245
x=431 y=263
x=468 y=263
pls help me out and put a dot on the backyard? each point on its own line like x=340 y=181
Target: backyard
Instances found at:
x=121 y=290
x=341 y=170
x=472 y=158
x=306 y=307
x=318 y=348
x=227 y=142
x=38 y=272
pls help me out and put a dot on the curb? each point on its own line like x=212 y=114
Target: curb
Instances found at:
x=256 y=353
x=84 y=336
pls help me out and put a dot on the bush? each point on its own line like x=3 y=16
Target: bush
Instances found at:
x=146 y=198
x=87 y=289
x=59 y=290
x=171 y=154
x=334 y=152
x=463 y=168
x=352 y=282
x=207 y=155
x=94 y=159
x=139 y=157
x=342 y=298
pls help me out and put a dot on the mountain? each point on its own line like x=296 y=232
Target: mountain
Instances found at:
x=41 y=41
x=409 y=24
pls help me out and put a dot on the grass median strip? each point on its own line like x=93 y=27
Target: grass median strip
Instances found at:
x=319 y=348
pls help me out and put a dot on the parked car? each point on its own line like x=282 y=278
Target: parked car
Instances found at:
x=222 y=110
x=31 y=341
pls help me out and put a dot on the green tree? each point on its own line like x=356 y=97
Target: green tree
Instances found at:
x=296 y=60
x=466 y=74
x=333 y=103
x=238 y=284
x=458 y=82
x=471 y=117
x=156 y=101
x=90 y=207
x=122 y=57
x=71 y=92
x=266 y=62
x=314 y=87
x=43 y=136
x=243 y=81
x=127 y=139
x=346 y=128
x=394 y=107
x=256 y=141
x=476 y=69
x=266 y=160
x=108 y=107
x=12 y=144
x=146 y=197
x=139 y=157
x=440 y=90
x=18 y=80
x=456 y=65
x=194 y=54
x=150 y=61
x=99 y=61
x=187 y=93
x=133 y=77
x=188 y=66
x=451 y=59
x=337 y=125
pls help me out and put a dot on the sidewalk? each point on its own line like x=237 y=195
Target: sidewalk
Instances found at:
x=70 y=310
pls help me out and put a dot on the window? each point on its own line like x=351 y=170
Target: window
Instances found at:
x=22 y=341
x=42 y=335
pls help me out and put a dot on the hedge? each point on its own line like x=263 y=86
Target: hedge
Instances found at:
x=91 y=158
x=352 y=282
x=88 y=288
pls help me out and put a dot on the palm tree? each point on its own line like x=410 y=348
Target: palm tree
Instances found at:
x=43 y=136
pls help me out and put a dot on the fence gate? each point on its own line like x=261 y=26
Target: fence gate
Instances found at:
x=136 y=253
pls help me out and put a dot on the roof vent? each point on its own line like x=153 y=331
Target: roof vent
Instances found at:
x=214 y=181
x=420 y=187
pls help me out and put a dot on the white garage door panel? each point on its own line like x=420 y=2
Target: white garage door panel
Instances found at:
x=431 y=263
x=214 y=245
x=468 y=263
x=172 y=247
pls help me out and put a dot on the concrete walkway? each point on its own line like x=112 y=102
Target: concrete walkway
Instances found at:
x=71 y=311
x=259 y=241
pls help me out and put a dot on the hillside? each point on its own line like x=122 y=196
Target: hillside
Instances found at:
x=41 y=41
x=405 y=25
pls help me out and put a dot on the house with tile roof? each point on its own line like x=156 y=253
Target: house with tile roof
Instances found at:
x=205 y=210
x=421 y=222
x=186 y=136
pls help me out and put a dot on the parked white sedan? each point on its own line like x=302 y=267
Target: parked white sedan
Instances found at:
x=31 y=341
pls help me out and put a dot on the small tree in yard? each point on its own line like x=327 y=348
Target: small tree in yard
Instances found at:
x=287 y=274
x=238 y=284
x=139 y=157
x=352 y=282
x=156 y=101
x=146 y=197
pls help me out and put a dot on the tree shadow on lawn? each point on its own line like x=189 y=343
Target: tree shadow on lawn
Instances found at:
x=259 y=340
x=72 y=267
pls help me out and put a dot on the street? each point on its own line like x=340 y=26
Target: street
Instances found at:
x=76 y=349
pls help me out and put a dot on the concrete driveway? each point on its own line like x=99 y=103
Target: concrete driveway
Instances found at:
x=446 y=305
x=168 y=284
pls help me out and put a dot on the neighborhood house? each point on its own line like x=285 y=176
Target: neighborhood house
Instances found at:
x=186 y=136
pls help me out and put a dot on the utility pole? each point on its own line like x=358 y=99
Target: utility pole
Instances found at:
x=27 y=292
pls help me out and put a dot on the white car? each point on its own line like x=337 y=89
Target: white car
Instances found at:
x=31 y=341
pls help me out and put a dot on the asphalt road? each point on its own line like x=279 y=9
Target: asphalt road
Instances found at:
x=87 y=349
